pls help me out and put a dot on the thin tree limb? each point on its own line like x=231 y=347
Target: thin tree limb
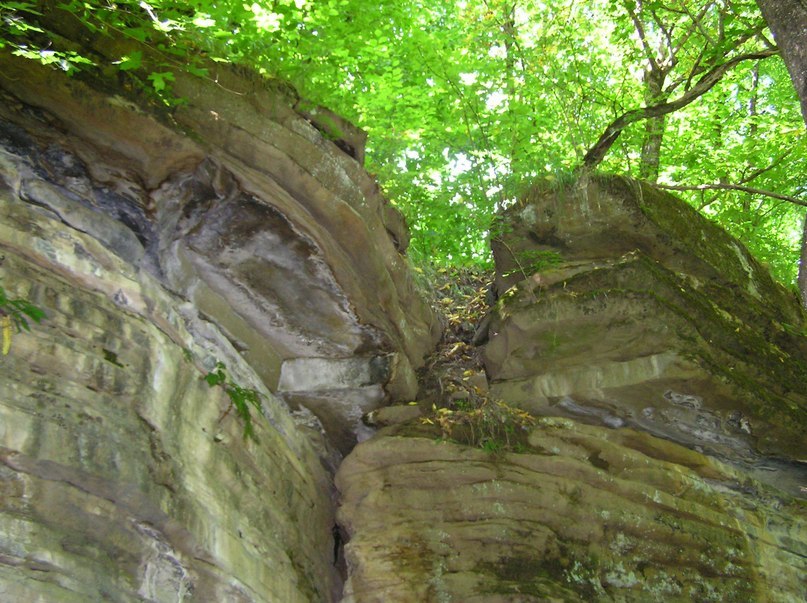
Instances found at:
x=696 y=23
x=698 y=69
x=758 y=172
x=597 y=153
x=637 y=24
x=733 y=187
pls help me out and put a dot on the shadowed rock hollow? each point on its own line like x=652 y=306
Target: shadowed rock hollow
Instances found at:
x=668 y=370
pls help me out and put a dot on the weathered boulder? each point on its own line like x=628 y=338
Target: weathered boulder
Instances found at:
x=159 y=241
x=670 y=462
x=622 y=306
x=585 y=513
x=239 y=205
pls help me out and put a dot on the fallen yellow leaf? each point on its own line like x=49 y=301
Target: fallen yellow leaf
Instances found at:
x=6 y=334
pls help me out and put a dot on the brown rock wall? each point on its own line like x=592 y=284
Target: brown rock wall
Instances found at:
x=624 y=307
x=583 y=514
x=669 y=462
x=159 y=241
x=239 y=204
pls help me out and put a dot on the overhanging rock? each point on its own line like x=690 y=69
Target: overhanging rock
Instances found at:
x=339 y=391
x=238 y=203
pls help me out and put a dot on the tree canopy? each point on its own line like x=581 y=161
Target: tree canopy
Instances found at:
x=468 y=101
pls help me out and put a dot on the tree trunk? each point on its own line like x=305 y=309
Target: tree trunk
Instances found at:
x=802 y=280
x=654 y=127
x=651 y=149
x=788 y=22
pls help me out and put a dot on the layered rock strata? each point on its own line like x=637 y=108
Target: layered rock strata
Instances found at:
x=120 y=477
x=621 y=306
x=231 y=228
x=239 y=204
x=583 y=513
x=670 y=459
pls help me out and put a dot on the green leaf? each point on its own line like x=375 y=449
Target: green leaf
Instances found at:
x=240 y=398
x=27 y=7
x=160 y=79
x=138 y=33
x=198 y=71
x=131 y=61
x=30 y=310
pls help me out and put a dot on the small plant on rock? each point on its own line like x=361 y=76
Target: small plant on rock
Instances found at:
x=241 y=398
x=489 y=424
x=13 y=313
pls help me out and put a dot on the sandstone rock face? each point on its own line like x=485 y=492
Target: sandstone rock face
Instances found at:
x=670 y=462
x=629 y=309
x=118 y=478
x=231 y=230
x=584 y=514
x=238 y=229
x=240 y=205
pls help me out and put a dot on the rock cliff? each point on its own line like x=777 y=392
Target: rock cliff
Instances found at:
x=581 y=513
x=630 y=309
x=159 y=243
x=670 y=459
x=237 y=234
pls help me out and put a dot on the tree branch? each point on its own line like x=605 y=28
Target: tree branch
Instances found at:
x=758 y=172
x=697 y=68
x=733 y=187
x=696 y=24
x=597 y=153
x=637 y=24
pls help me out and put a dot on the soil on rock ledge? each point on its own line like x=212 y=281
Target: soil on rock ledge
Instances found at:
x=461 y=297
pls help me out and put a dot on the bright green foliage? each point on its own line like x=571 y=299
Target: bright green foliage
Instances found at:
x=241 y=398
x=13 y=313
x=466 y=101
x=18 y=309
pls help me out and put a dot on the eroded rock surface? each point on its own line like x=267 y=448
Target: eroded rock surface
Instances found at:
x=670 y=461
x=119 y=479
x=627 y=308
x=240 y=205
x=239 y=226
x=585 y=513
x=231 y=228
